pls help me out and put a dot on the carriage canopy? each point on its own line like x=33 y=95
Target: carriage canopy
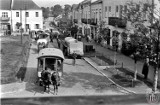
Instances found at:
x=51 y=52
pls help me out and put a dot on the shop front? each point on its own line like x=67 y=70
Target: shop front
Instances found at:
x=5 y=28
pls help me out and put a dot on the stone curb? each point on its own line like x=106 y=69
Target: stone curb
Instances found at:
x=129 y=91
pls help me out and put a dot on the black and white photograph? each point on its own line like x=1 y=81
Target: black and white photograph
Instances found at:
x=80 y=52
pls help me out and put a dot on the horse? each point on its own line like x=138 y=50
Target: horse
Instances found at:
x=46 y=80
x=49 y=78
x=55 y=81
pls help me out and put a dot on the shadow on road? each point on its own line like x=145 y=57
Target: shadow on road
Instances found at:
x=21 y=73
x=31 y=81
x=34 y=88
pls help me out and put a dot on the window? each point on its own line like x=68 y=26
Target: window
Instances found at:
x=117 y=8
x=120 y=11
x=27 y=14
x=100 y=16
x=137 y=7
x=36 y=26
x=106 y=9
x=109 y=8
x=125 y=8
x=27 y=26
x=17 y=14
x=4 y=14
x=37 y=14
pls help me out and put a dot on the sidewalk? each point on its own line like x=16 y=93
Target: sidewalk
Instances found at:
x=127 y=62
x=30 y=75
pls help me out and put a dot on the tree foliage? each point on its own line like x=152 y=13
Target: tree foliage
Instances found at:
x=137 y=14
x=56 y=10
x=67 y=9
x=45 y=12
x=18 y=25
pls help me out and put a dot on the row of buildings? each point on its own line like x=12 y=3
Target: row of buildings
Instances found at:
x=25 y=12
x=89 y=15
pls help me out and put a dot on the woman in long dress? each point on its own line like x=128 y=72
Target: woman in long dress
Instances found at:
x=145 y=68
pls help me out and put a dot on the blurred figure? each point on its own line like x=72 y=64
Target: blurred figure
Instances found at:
x=74 y=58
x=145 y=68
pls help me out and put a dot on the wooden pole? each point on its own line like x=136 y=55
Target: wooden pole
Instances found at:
x=21 y=24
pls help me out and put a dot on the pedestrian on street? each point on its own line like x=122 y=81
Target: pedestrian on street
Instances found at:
x=74 y=58
x=58 y=43
x=87 y=38
x=145 y=68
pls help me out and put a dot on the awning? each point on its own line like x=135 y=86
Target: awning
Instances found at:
x=4 y=23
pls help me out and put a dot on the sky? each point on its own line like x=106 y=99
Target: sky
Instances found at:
x=50 y=3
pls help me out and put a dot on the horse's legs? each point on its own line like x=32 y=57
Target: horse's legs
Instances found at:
x=48 y=88
x=56 y=86
x=44 y=88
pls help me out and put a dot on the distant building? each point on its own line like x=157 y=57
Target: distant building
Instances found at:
x=20 y=11
x=28 y=12
x=5 y=16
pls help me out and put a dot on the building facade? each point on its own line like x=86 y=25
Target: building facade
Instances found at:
x=86 y=15
x=25 y=12
x=5 y=17
x=96 y=18
x=113 y=17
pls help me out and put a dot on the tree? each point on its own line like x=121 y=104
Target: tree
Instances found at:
x=135 y=13
x=45 y=12
x=67 y=9
x=156 y=55
x=18 y=25
x=56 y=10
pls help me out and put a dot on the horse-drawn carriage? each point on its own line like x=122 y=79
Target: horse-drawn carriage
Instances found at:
x=50 y=62
x=43 y=40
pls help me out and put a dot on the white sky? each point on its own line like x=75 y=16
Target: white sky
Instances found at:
x=50 y=3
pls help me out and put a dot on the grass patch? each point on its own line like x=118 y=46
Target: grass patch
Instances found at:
x=11 y=56
x=107 y=60
x=123 y=81
x=102 y=61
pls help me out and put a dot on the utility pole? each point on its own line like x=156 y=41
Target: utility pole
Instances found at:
x=11 y=23
x=25 y=20
x=21 y=24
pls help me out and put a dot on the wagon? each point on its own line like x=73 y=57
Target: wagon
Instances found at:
x=43 y=40
x=50 y=58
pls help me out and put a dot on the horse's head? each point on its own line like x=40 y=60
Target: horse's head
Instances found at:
x=46 y=75
x=54 y=76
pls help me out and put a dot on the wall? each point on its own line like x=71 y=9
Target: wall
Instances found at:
x=32 y=19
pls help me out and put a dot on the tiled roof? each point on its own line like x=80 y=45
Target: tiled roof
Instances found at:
x=5 y=4
x=86 y=1
x=25 y=4
x=96 y=2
